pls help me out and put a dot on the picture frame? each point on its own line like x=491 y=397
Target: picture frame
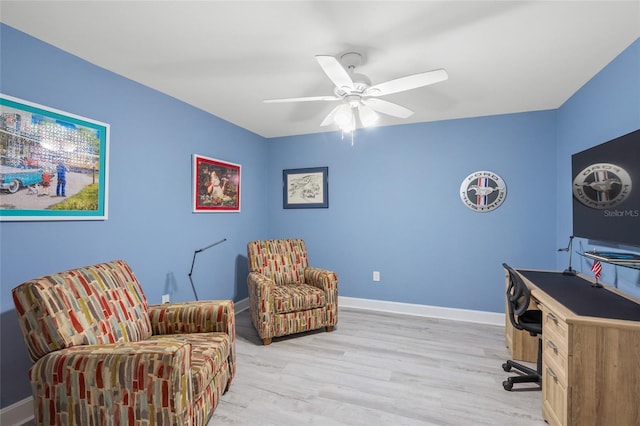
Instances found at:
x=53 y=164
x=305 y=188
x=216 y=185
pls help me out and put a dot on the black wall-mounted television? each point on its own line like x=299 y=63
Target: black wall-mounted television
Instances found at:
x=606 y=191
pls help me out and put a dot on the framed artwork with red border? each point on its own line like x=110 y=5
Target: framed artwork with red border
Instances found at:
x=216 y=185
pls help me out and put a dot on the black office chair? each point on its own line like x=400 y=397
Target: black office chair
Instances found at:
x=518 y=297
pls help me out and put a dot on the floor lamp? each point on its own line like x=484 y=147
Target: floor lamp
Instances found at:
x=193 y=262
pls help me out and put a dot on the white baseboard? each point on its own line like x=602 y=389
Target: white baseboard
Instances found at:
x=482 y=317
x=22 y=411
x=241 y=305
x=467 y=315
x=17 y=413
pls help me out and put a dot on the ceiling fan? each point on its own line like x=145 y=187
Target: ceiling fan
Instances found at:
x=356 y=92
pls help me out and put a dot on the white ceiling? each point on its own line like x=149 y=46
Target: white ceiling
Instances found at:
x=225 y=57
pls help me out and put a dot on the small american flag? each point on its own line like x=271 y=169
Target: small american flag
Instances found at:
x=596 y=268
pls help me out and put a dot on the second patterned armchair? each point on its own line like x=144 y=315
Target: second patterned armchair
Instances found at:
x=286 y=295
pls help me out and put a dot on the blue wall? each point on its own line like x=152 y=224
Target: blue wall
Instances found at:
x=393 y=196
x=150 y=223
x=605 y=108
x=394 y=207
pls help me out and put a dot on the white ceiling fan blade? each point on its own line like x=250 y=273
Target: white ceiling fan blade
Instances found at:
x=306 y=99
x=388 y=108
x=407 y=83
x=335 y=71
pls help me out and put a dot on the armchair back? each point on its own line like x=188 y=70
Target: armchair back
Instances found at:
x=97 y=304
x=283 y=261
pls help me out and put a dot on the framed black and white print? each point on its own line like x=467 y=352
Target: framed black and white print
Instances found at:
x=305 y=188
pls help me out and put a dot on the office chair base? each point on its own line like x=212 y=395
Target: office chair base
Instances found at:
x=529 y=375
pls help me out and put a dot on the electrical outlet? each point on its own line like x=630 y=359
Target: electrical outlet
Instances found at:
x=165 y=298
x=376 y=275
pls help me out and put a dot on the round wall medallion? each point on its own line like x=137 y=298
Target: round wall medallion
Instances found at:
x=483 y=191
x=602 y=185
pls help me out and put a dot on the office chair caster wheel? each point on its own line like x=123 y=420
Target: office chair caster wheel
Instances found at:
x=507 y=385
x=506 y=367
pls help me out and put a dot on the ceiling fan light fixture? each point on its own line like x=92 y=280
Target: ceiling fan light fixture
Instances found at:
x=345 y=118
x=368 y=117
x=343 y=115
x=350 y=126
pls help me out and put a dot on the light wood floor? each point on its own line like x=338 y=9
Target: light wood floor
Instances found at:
x=376 y=369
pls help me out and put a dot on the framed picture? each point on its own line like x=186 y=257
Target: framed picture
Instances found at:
x=216 y=185
x=305 y=188
x=53 y=164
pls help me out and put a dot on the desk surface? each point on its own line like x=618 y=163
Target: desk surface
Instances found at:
x=578 y=295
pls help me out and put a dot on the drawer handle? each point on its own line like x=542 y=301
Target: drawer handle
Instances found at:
x=552 y=317
x=552 y=346
x=552 y=374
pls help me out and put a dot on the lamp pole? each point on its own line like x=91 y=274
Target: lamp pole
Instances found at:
x=569 y=270
x=193 y=262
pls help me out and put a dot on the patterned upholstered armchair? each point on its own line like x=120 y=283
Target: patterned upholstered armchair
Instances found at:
x=286 y=296
x=103 y=356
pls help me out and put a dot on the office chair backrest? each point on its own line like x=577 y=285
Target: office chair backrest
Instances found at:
x=518 y=296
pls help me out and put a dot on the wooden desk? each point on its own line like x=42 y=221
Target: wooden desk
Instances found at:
x=590 y=353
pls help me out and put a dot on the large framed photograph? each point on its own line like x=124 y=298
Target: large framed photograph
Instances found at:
x=305 y=188
x=216 y=185
x=53 y=164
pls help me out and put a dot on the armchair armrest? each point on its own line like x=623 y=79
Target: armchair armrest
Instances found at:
x=323 y=279
x=203 y=316
x=112 y=381
x=327 y=281
x=193 y=317
x=261 y=303
x=261 y=289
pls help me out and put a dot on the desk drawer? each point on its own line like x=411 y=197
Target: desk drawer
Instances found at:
x=551 y=323
x=557 y=341
x=554 y=397
x=555 y=361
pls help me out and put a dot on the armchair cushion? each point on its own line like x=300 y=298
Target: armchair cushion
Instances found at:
x=283 y=261
x=297 y=297
x=97 y=305
x=207 y=359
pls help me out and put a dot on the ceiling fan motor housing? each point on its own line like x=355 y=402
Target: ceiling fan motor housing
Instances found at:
x=351 y=60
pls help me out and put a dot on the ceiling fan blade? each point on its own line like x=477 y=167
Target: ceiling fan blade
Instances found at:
x=335 y=71
x=407 y=83
x=307 y=99
x=388 y=108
